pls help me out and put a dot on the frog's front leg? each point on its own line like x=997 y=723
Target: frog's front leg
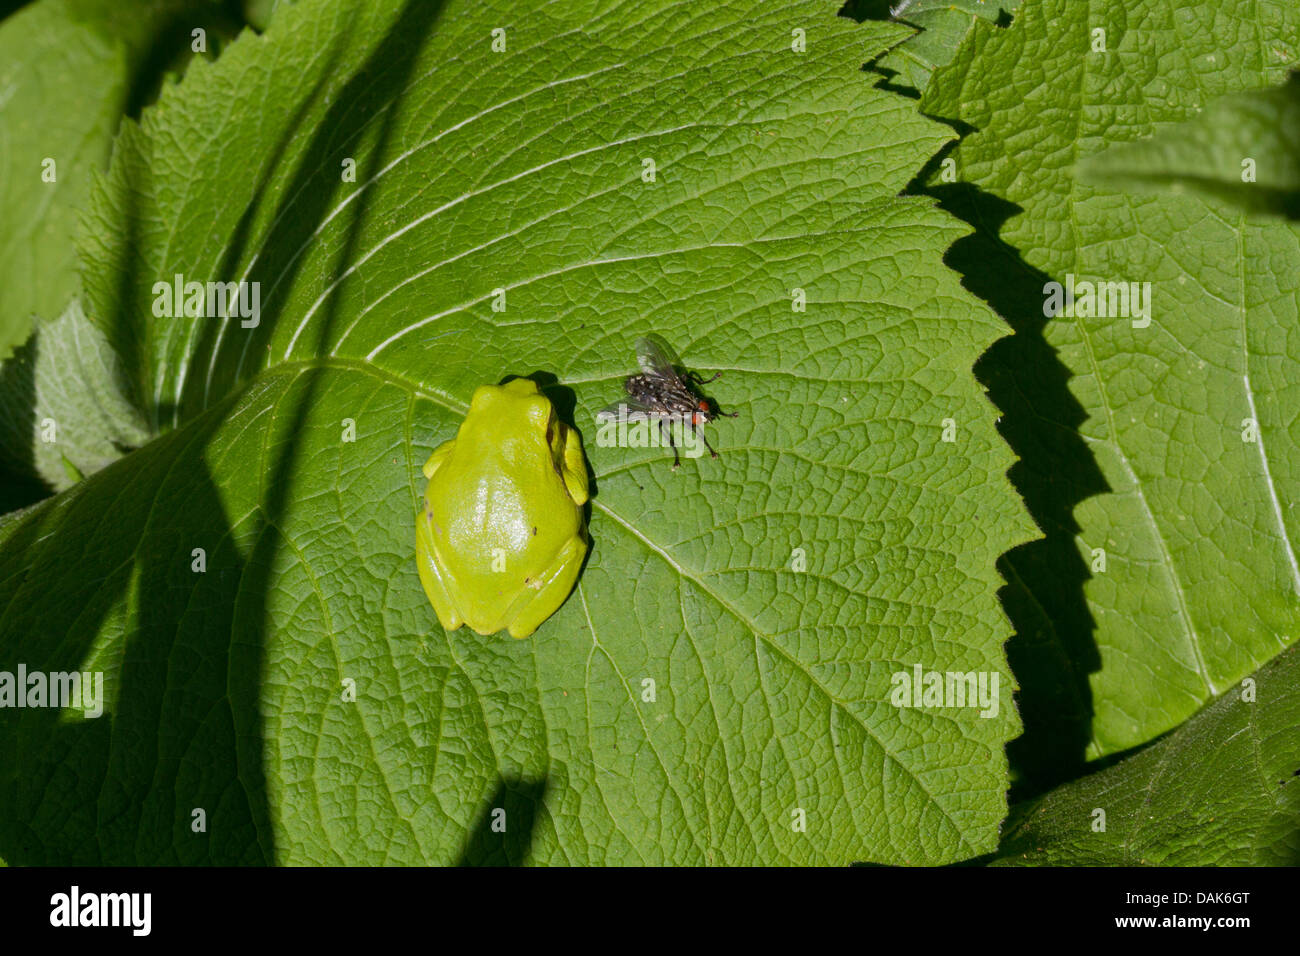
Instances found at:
x=557 y=580
x=431 y=577
x=574 y=471
x=440 y=455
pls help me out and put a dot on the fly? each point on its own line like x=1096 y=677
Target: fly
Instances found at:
x=665 y=393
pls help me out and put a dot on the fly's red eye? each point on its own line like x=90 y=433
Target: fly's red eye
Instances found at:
x=695 y=419
x=703 y=406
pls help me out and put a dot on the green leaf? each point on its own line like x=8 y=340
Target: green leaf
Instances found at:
x=944 y=26
x=62 y=411
x=523 y=171
x=1244 y=149
x=1195 y=526
x=69 y=70
x=61 y=93
x=1221 y=790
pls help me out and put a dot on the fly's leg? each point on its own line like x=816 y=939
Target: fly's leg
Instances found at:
x=665 y=430
x=706 y=442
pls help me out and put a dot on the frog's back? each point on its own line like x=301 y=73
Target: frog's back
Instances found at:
x=487 y=510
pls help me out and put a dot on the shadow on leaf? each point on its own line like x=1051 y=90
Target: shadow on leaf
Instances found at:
x=109 y=577
x=1052 y=650
x=503 y=833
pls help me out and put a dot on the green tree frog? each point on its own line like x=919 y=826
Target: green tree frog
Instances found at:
x=501 y=536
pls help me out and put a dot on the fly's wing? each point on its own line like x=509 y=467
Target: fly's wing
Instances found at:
x=656 y=357
x=635 y=410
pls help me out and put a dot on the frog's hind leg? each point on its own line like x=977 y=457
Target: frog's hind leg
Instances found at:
x=431 y=578
x=556 y=583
